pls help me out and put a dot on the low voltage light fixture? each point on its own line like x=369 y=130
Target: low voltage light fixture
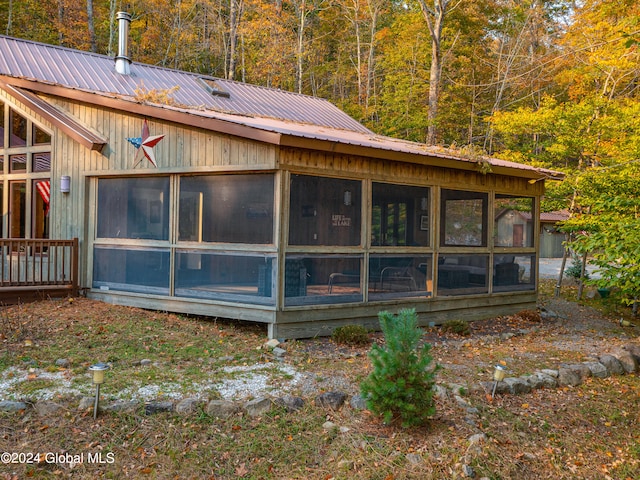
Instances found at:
x=498 y=375
x=97 y=371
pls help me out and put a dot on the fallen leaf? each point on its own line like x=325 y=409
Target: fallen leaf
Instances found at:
x=241 y=470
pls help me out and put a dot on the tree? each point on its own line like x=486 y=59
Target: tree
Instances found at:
x=434 y=16
x=400 y=386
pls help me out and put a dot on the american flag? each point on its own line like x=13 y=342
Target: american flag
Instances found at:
x=44 y=189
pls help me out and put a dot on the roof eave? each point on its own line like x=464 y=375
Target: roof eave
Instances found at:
x=148 y=110
x=64 y=122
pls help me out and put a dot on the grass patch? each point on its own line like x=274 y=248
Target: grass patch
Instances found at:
x=590 y=431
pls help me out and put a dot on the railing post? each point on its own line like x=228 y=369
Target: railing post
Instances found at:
x=74 y=267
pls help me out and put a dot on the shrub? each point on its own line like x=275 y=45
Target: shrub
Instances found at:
x=459 y=327
x=351 y=335
x=400 y=386
x=575 y=269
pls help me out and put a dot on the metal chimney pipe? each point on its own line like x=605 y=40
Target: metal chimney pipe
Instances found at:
x=122 y=59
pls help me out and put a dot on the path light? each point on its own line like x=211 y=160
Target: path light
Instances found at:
x=98 y=379
x=498 y=375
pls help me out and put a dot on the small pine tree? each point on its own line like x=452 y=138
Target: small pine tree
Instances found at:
x=400 y=386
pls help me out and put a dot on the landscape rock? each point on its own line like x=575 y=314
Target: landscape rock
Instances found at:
x=63 y=363
x=517 y=385
x=86 y=403
x=613 y=364
x=440 y=392
x=628 y=361
x=329 y=425
x=47 y=408
x=546 y=381
x=581 y=369
x=290 y=402
x=468 y=471
x=221 y=409
x=461 y=401
x=273 y=343
x=145 y=362
x=151 y=408
x=597 y=369
x=414 y=459
x=258 y=406
x=568 y=377
x=12 y=407
x=357 y=402
x=501 y=387
x=187 y=406
x=121 y=406
x=279 y=352
x=550 y=372
x=457 y=389
x=332 y=400
x=633 y=350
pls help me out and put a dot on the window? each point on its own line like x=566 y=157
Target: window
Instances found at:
x=513 y=272
x=400 y=215
x=463 y=218
x=28 y=160
x=463 y=274
x=18 y=208
x=392 y=276
x=325 y=211
x=134 y=208
x=513 y=221
x=316 y=279
x=17 y=129
x=215 y=275
x=131 y=269
x=227 y=208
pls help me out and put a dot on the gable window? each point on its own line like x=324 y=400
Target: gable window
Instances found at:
x=25 y=154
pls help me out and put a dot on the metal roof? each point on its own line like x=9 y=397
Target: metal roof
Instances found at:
x=296 y=120
x=91 y=72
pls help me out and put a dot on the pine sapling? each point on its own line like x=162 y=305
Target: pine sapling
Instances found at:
x=400 y=386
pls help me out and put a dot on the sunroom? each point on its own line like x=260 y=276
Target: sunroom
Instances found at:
x=317 y=251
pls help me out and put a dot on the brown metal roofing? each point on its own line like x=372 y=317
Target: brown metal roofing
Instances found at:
x=252 y=111
x=96 y=73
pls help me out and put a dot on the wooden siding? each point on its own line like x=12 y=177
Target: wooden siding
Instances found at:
x=302 y=161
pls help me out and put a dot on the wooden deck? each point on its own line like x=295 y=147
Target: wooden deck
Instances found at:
x=35 y=269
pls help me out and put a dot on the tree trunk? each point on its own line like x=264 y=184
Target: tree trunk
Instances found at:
x=235 y=7
x=9 y=17
x=91 y=27
x=435 y=21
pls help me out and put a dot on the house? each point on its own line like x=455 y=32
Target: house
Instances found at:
x=552 y=240
x=206 y=196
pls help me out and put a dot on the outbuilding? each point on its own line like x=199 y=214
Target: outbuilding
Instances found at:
x=206 y=196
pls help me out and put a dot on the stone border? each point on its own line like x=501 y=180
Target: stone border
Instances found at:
x=624 y=361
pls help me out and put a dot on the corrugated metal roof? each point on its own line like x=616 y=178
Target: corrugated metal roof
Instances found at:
x=265 y=109
x=96 y=73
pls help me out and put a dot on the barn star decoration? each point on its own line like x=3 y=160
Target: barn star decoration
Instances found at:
x=145 y=144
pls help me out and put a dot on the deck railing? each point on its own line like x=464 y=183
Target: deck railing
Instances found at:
x=39 y=264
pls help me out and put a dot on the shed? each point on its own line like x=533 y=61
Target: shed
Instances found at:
x=206 y=196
